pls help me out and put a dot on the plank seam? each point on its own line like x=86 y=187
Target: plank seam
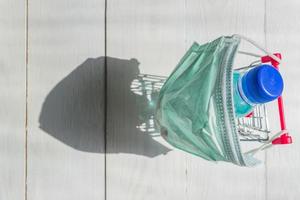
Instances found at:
x=26 y=98
x=105 y=97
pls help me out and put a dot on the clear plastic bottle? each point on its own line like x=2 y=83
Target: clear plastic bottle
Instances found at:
x=259 y=85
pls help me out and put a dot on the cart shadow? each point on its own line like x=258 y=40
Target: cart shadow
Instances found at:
x=74 y=110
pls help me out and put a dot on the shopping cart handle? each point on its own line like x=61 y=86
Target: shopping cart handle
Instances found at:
x=283 y=139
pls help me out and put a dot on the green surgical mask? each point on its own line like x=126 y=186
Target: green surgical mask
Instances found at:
x=195 y=108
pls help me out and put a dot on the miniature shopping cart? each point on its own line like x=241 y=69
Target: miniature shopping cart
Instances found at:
x=253 y=127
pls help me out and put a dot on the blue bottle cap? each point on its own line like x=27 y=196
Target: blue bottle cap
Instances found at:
x=262 y=84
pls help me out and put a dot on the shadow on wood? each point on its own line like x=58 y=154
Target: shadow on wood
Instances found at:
x=129 y=110
x=73 y=111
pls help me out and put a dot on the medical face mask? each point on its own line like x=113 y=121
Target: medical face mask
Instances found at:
x=195 y=110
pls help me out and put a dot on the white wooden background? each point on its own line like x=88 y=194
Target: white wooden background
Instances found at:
x=55 y=109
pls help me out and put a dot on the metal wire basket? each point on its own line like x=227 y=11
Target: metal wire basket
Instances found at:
x=253 y=127
x=147 y=87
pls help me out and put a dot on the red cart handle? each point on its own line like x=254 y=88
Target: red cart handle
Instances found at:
x=284 y=138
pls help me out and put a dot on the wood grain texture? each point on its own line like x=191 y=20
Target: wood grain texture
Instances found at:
x=66 y=99
x=66 y=102
x=283 y=162
x=12 y=99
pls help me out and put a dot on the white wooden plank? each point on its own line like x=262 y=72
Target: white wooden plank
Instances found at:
x=207 y=20
x=139 y=166
x=12 y=99
x=156 y=35
x=66 y=100
x=283 y=162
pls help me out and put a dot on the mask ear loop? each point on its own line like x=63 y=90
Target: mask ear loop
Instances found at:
x=257 y=46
